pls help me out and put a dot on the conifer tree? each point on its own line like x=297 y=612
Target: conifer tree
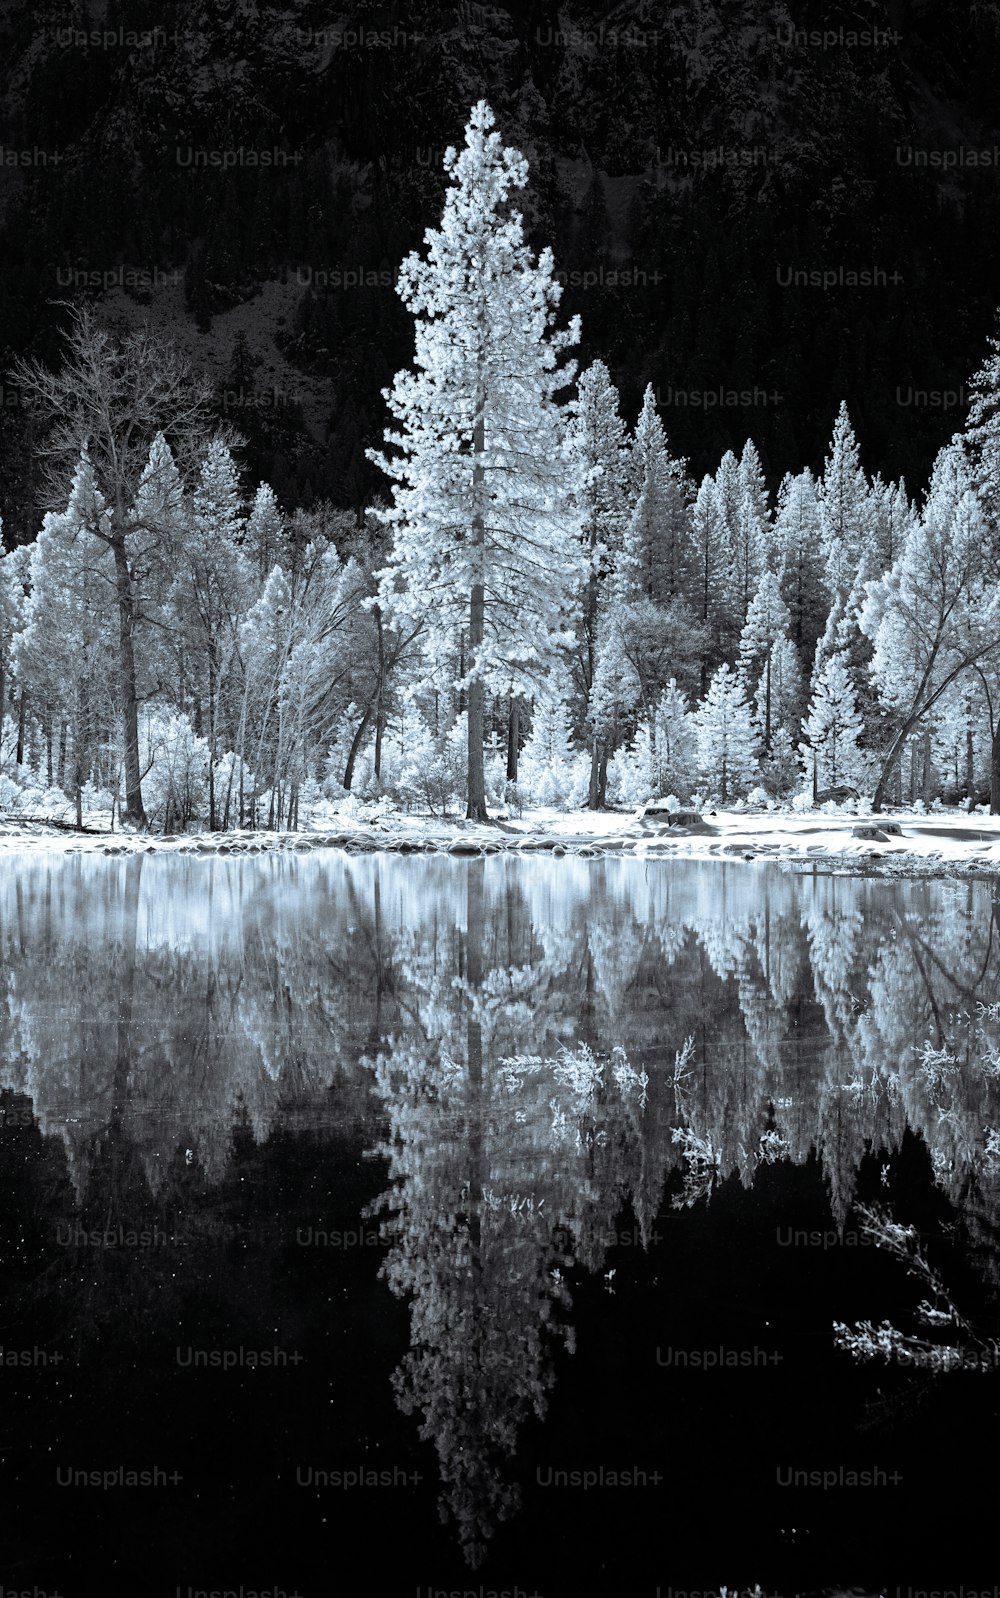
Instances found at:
x=798 y=553
x=675 y=743
x=893 y=514
x=753 y=525
x=708 y=538
x=981 y=435
x=549 y=758
x=486 y=542
x=726 y=741
x=657 y=559
x=830 y=753
x=767 y=621
x=210 y=593
x=847 y=530
x=265 y=537
x=597 y=443
x=782 y=683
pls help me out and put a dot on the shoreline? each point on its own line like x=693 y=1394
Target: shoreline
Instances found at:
x=934 y=845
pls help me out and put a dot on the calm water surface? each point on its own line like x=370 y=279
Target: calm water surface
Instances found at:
x=482 y=1225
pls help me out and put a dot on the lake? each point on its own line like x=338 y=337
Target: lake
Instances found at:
x=485 y=1223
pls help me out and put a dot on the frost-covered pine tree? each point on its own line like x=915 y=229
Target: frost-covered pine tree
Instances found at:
x=831 y=756
x=657 y=558
x=798 y=554
x=486 y=528
x=676 y=752
x=893 y=515
x=726 y=741
x=782 y=681
x=710 y=563
x=754 y=523
x=768 y=620
x=597 y=443
x=632 y=771
x=550 y=765
x=728 y=502
x=12 y=585
x=210 y=592
x=265 y=537
x=981 y=436
x=847 y=530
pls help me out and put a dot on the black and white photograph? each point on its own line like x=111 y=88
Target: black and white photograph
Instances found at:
x=499 y=799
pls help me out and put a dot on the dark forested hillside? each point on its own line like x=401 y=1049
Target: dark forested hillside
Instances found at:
x=759 y=212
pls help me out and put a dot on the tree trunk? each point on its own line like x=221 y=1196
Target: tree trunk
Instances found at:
x=21 y=715
x=379 y=718
x=61 y=767
x=379 y=730
x=928 y=770
x=913 y=775
x=211 y=738
x=513 y=735
x=134 y=811
x=995 y=774
x=476 y=809
x=352 y=753
x=594 y=796
x=891 y=762
x=970 y=768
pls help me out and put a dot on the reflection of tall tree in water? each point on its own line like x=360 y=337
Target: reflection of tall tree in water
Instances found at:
x=478 y=1302
x=491 y=1185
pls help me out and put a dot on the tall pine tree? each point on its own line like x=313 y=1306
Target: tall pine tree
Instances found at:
x=486 y=530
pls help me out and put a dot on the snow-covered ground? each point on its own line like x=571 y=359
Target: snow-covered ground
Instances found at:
x=921 y=844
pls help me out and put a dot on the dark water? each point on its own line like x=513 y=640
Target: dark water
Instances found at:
x=346 y=1165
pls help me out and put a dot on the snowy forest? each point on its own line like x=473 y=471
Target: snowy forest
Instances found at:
x=543 y=608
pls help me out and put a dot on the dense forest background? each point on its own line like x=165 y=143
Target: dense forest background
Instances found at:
x=684 y=160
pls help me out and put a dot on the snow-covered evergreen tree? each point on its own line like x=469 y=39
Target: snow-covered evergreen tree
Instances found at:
x=831 y=755
x=726 y=740
x=847 y=525
x=597 y=444
x=632 y=770
x=12 y=596
x=981 y=435
x=657 y=558
x=210 y=592
x=753 y=551
x=767 y=622
x=552 y=770
x=265 y=538
x=708 y=535
x=893 y=515
x=782 y=680
x=798 y=550
x=676 y=766
x=486 y=526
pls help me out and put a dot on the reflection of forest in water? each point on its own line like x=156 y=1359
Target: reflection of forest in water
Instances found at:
x=512 y=1036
